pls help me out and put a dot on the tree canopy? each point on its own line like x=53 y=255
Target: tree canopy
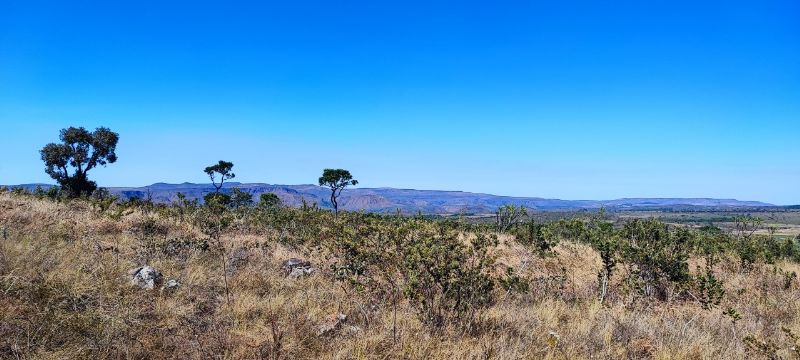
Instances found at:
x=336 y=180
x=225 y=171
x=79 y=151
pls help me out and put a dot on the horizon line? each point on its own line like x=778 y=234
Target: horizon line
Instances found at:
x=436 y=190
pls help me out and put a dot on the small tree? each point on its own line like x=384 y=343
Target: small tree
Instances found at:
x=269 y=200
x=657 y=254
x=508 y=216
x=602 y=236
x=225 y=171
x=241 y=198
x=336 y=180
x=79 y=151
x=218 y=218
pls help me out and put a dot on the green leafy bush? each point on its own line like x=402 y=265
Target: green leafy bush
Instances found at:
x=538 y=236
x=709 y=289
x=602 y=236
x=658 y=256
x=509 y=215
x=446 y=280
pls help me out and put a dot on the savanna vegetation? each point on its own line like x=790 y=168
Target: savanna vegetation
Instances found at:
x=245 y=279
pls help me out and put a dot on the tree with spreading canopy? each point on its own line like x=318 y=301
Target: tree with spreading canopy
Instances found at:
x=225 y=171
x=80 y=150
x=336 y=180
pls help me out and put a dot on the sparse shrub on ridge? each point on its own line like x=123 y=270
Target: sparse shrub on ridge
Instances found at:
x=446 y=278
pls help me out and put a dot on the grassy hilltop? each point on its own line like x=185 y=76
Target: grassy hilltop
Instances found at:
x=587 y=287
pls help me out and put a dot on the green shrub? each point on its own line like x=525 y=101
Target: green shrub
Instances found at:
x=269 y=200
x=658 y=256
x=102 y=199
x=514 y=283
x=540 y=237
x=710 y=243
x=602 y=236
x=509 y=215
x=709 y=289
x=446 y=281
x=240 y=199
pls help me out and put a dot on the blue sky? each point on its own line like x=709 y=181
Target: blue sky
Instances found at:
x=563 y=99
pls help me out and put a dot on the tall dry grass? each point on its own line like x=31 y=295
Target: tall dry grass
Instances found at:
x=65 y=293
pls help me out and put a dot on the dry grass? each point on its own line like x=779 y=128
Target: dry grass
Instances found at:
x=65 y=293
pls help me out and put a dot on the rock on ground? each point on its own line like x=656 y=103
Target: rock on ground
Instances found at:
x=172 y=285
x=296 y=268
x=146 y=277
x=331 y=325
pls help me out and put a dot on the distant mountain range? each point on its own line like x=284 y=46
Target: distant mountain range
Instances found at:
x=413 y=201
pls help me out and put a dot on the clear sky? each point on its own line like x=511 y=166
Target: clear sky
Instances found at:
x=562 y=99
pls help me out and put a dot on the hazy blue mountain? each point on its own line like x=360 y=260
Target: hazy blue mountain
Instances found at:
x=412 y=201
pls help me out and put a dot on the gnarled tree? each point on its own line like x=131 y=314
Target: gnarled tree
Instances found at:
x=225 y=171
x=336 y=180
x=69 y=162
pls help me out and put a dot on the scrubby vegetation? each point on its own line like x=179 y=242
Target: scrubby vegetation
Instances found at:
x=383 y=286
x=84 y=274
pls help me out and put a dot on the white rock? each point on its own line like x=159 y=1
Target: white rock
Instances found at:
x=301 y=271
x=296 y=268
x=172 y=285
x=146 y=277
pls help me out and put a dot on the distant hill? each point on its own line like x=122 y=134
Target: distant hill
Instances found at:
x=412 y=201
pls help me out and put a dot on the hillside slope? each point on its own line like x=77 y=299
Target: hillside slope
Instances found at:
x=69 y=291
